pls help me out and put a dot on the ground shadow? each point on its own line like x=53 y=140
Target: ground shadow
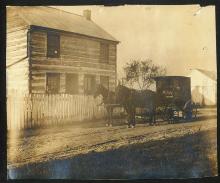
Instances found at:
x=182 y=157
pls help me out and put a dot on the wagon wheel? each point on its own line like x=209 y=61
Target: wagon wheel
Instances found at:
x=170 y=115
x=166 y=116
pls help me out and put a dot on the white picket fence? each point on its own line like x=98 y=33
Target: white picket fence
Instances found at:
x=36 y=110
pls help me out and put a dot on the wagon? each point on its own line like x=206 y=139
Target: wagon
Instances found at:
x=173 y=94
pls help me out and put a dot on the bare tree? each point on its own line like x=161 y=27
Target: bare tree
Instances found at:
x=141 y=72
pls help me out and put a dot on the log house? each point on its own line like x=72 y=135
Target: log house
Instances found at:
x=53 y=51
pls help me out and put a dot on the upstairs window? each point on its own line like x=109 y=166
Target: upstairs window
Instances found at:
x=53 y=83
x=72 y=83
x=53 y=45
x=89 y=84
x=104 y=53
x=104 y=81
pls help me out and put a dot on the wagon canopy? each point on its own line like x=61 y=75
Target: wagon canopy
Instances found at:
x=172 y=90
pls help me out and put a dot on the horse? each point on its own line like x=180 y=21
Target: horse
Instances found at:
x=130 y=99
x=108 y=100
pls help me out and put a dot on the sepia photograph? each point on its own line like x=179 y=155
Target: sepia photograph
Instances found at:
x=111 y=92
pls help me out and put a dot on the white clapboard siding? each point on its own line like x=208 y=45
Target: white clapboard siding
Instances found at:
x=37 y=110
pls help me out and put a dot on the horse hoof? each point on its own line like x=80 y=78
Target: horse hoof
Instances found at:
x=106 y=124
x=110 y=125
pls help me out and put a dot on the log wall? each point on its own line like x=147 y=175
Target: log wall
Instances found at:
x=17 y=65
x=78 y=54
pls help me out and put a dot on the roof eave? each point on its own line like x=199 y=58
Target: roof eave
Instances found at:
x=37 y=27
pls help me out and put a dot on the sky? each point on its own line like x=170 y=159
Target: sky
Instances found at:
x=179 y=37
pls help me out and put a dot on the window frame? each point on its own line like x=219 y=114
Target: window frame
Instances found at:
x=104 y=53
x=93 y=77
x=47 y=90
x=50 y=42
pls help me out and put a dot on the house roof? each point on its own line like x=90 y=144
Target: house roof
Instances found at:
x=210 y=74
x=58 y=19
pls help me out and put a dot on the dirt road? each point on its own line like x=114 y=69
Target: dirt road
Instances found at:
x=55 y=144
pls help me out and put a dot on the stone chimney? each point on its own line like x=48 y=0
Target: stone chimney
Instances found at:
x=87 y=14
